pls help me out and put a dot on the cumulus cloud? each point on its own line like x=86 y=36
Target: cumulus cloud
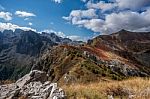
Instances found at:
x=77 y=15
x=132 y=4
x=128 y=20
x=24 y=14
x=7 y=16
x=121 y=4
x=102 y=5
x=114 y=22
x=92 y=24
x=113 y=16
x=10 y=26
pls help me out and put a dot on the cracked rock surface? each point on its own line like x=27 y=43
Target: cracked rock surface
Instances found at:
x=32 y=86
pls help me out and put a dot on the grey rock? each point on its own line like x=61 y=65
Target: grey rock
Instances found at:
x=33 y=86
x=34 y=75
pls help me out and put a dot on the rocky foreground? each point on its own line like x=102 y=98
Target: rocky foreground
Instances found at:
x=32 y=86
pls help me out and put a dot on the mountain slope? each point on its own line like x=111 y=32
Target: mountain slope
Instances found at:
x=130 y=45
x=102 y=58
x=19 y=50
x=116 y=56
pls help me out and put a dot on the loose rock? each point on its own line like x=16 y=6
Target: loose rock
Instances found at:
x=32 y=86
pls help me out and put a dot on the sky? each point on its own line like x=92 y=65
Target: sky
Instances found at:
x=75 y=19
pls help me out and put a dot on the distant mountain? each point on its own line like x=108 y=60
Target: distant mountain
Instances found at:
x=20 y=49
x=60 y=40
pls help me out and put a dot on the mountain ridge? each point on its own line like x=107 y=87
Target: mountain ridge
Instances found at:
x=106 y=56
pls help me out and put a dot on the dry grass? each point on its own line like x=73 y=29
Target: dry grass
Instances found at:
x=134 y=88
x=2 y=82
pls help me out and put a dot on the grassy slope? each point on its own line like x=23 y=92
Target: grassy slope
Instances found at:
x=138 y=88
x=79 y=67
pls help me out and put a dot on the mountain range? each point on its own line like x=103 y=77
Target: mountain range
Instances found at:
x=116 y=56
x=20 y=49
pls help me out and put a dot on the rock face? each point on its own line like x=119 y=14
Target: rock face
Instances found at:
x=32 y=86
x=19 y=50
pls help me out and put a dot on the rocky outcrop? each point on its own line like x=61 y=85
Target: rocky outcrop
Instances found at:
x=32 y=86
x=33 y=76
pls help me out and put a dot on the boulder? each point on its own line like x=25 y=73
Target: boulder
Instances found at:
x=34 y=75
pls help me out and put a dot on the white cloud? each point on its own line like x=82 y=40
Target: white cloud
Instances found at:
x=30 y=23
x=24 y=14
x=10 y=26
x=74 y=37
x=101 y=5
x=93 y=24
x=77 y=15
x=7 y=16
x=129 y=20
x=63 y=35
x=121 y=4
x=66 y=18
x=57 y=1
x=132 y=4
x=122 y=14
x=90 y=13
x=60 y=34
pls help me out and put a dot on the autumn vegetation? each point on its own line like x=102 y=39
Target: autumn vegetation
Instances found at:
x=133 y=88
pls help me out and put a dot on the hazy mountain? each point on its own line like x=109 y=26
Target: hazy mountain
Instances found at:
x=60 y=40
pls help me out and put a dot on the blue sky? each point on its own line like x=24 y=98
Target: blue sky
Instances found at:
x=48 y=15
x=76 y=19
